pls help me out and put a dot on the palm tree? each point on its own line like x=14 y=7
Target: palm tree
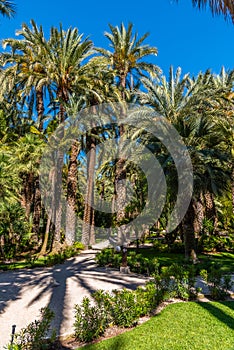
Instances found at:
x=100 y=89
x=7 y=8
x=65 y=53
x=127 y=60
x=25 y=70
x=128 y=54
x=26 y=154
x=218 y=7
x=189 y=104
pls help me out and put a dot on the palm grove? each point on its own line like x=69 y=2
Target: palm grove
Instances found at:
x=46 y=81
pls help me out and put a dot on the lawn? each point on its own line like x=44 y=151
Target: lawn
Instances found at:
x=224 y=259
x=181 y=326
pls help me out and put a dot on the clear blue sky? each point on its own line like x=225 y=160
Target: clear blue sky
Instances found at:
x=184 y=36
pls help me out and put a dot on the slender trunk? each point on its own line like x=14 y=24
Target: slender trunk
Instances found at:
x=120 y=175
x=37 y=208
x=199 y=215
x=40 y=108
x=70 y=235
x=188 y=233
x=232 y=185
x=46 y=236
x=57 y=218
x=210 y=212
x=27 y=194
x=88 y=237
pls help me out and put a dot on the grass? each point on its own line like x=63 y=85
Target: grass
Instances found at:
x=225 y=260
x=181 y=326
x=32 y=261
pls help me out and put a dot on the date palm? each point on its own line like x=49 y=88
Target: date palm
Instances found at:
x=217 y=7
x=25 y=70
x=65 y=52
x=191 y=106
x=7 y=8
x=127 y=60
x=224 y=7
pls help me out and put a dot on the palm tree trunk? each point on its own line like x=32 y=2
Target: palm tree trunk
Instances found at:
x=211 y=213
x=46 y=236
x=37 y=208
x=120 y=175
x=40 y=108
x=57 y=218
x=232 y=185
x=188 y=233
x=88 y=219
x=70 y=235
x=199 y=214
x=27 y=194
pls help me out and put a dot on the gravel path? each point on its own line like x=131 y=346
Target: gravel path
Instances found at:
x=24 y=292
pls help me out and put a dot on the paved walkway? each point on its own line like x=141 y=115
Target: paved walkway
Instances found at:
x=24 y=292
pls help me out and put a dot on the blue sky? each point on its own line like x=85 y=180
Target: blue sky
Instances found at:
x=184 y=36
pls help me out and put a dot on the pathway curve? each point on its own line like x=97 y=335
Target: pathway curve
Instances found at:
x=24 y=292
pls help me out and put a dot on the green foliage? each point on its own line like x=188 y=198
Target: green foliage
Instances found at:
x=61 y=256
x=214 y=242
x=137 y=262
x=33 y=336
x=175 y=281
x=217 y=283
x=180 y=326
x=147 y=298
x=121 y=303
x=90 y=321
x=108 y=257
x=120 y=306
x=15 y=229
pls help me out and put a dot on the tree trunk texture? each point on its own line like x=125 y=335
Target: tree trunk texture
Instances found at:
x=27 y=194
x=199 y=210
x=40 y=108
x=37 y=207
x=70 y=235
x=188 y=233
x=210 y=209
x=57 y=217
x=120 y=176
x=46 y=236
x=88 y=235
x=232 y=185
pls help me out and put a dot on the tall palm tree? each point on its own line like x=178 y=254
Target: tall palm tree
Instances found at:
x=25 y=70
x=26 y=156
x=127 y=59
x=189 y=104
x=127 y=55
x=65 y=54
x=100 y=89
x=7 y=8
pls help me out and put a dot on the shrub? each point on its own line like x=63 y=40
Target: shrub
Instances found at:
x=124 y=309
x=146 y=299
x=121 y=306
x=90 y=321
x=218 y=285
x=175 y=281
x=33 y=337
x=105 y=257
